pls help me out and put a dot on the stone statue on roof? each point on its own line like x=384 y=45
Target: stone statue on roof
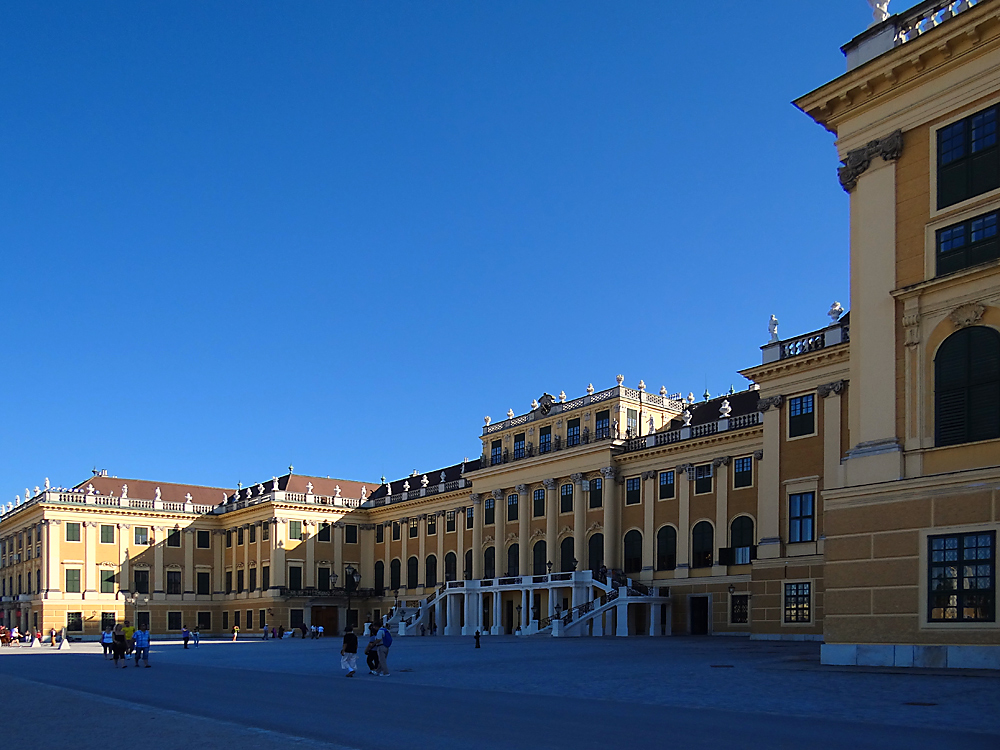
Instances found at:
x=442 y=476
x=124 y=492
x=424 y=481
x=157 y=494
x=772 y=328
x=880 y=10
x=652 y=425
x=336 y=491
x=309 y=488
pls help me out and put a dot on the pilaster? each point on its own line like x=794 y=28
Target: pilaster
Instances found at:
x=611 y=543
x=551 y=522
x=682 y=480
x=477 y=536
x=648 y=532
x=579 y=522
x=524 y=504
x=769 y=493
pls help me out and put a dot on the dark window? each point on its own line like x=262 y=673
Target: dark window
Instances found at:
x=797 y=596
x=395 y=574
x=538 y=558
x=296 y=617
x=967 y=244
x=800 y=517
x=379 y=534
x=253 y=579
x=249 y=619
x=666 y=548
x=490 y=562
x=265 y=530
x=469 y=517
x=72 y=581
x=174 y=582
x=666 y=485
x=631 y=423
x=174 y=621
x=411 y=573
x=573 y=432
x=967 y=387
x=702 y=479
x=741 y=539
x=351 y=533
x=511 y=507
x=450 y=567
x=702 y=544
x=379 y=576
x=253 y=534
x=295 y=530
x=241 y=579
x=225 y=621
x=968 y=158
x=323 y=579
x=596 y=493
x=107 y=534
x=513 y=559
x=236 y=619
x=239 y=536
x=633 y=491
x=468 y=565
x=229 y=581
x=205 y=621
x=490 y=515
x=539 y=504
x=414 y=528
x=107 y=581
x=496 y=452
x=324 y=532
x=961 y=577
x=204 y=539
x=545 y=439
x=142 y=621
x=395 y=531
x=800 y=416
x=432 y=524
x=204 y=583
x=602 y=425
x=449 y=520
x=74 y=622
x=108 y=620
x=739 y=609
x=294 y=577
x=229 y=538
x=141 y=579
x=633 y=551
x=567 y=558
x=519 y=446
x=566 y=498
x=743 y=472
x=72 y=533
x=174 y=538
x=430 y=571
x=265 y=577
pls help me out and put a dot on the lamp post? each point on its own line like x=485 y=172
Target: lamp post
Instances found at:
x=548 y=567
x=135 y=599
x=351 y=580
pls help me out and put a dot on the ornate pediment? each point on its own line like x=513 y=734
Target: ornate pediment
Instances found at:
x=967 y=315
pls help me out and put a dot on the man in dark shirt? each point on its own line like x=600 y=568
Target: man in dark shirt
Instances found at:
x=349 y=652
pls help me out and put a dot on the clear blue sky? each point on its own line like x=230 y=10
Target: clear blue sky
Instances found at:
x=236 y=236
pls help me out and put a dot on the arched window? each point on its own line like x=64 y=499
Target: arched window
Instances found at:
x=702 y=542
x=666 y=548
x=490 y=562
x=633 y=551
x=741 y=540
x=450 y=566
x=513 y=559
x=467 y=573
x=379 y=576
x=538 y=558
x=566 y=556
x=595 y=552
x=431 y=571
x=967 y=387
x=412 y=567
x=394 y=577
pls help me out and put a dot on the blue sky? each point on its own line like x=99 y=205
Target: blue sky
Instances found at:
x=238 y=236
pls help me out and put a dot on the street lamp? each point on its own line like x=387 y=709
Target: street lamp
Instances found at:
x=135 y=599
x=351 y=580
x=548 y=566
x=575 y=563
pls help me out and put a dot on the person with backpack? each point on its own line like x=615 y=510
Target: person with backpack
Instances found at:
x=383 y=642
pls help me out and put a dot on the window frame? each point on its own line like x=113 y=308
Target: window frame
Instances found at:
x=512 y=507
x=174 y=579
x=800 y=517
x=489 y=511
x=71 y=525
x=450 y=522
x=707 y=471
x=292 y=535
x=105 y=579
x=78 y=582
x=537 y=496
x=969 y=245
x=173 y=534
x=813 y=412
x=596 y=488
x=667 y=483
x=928 y=564
x=633 y=490
x=135 y=536
x=101 y=533
x=350 y=533
x=198 y=538
x=748 y=471
x=562 y=498
x=797 y=604
x=935 y=142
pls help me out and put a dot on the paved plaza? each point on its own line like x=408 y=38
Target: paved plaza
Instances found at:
x=443 y=693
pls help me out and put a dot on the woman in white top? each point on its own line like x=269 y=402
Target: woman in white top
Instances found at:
x=106 y=639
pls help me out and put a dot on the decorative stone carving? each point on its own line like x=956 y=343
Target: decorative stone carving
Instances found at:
x=497 y=494
x=562 y=397
x=260 y=489
x=510 y=414
x=576 y=478
x=686 y=416
x=642 y=385
x=475 y=497
x=124 y=491
x=521 y=489
x=911 y=322
x=720 y=461
x=442 y=477
x=772 y=330
x=880 y=10
x=649 y=475
x=534 y=404
x=620 y=379
x=652 y=425
x=766 y=403
x=609 y=472
x=590 y=389
x=837 y=386
x=423 y=483
x=487 y=420
x=406 y=486
x=967 y=315
x=549 y=484
x=835 y=311
x=857 y=162
x=725 y=410
x=759 y=455
x=595 y=526
x=309 y=488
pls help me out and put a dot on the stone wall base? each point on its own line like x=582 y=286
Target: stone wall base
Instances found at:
x=786 y=637
x=890 y=655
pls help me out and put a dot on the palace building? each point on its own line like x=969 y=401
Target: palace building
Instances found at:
x=851 y=495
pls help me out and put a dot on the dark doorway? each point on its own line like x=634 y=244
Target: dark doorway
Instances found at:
x=327 y=617
x=508 y=616
x=699 y=615
x=596 y=552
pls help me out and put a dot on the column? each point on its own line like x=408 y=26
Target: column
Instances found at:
x=187 y=539
x=721 y=468
x=309 y=574
x=441 y=526
x=404 y=535
x=499 y=532
x=611 y=542
x=90 y=559
x=246 y=557
x=769 y=492
x=219 y=572
x=366 y=538
x=124 y=576
x=387 y=539
x=460 y=543
x=648 y=529
x=525 y=609
x=278 y=542
x=551 y=526
x=497 y=628
x=831 y=400
x=579 y=522
x=621 y=620
x=338 y=547
x=523 y=530
x=477 y=538
x=422 y=559
x=260 y=558
x=682 y=478
x=53 y=556
x=160 y=584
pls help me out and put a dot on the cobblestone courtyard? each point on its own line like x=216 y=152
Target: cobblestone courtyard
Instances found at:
x=511 y=692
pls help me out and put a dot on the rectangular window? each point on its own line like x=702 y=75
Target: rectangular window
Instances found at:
x=253 y=580
x=633 y=491
x=323 y=579
x=566 y=498
x=702 y=479
x=449 y=519
x=236 y=619
x=107 y=534
x=229 y=538
x=511 y=507
x=596 y=493
x=379 y=534
x=239 y=537
x=239 y=581
x=174 y=538
x=225 y=621
x=519 y=446
x=296 y=617
x=968 y=158
x=72 y=533
x=324 y=532
x=204 y=539
x=797 y=596
x=743 y=472
x=205 y=621
x=545 y=439
x=204 y=583
x=961 y=577
x=432 y=524
x=800 y=517
x=801 y=420
x=666 y=485
x=174 y=621
x=469 y=517
x=739 y=609
x=253 y=534
x=573 y=432
x=141 y=535
x=496 y=452
x=414 y=528
x=396 y=536
x=489 y=517
x=107 y=581
x=174 y=582
x=294 y=577
x=265 y=577
x=229 y=581
x=602 y=425
x=108 y=620
x=249 y=619
x=631 y=423
x=265 y=530
x=72 y=581
x=295 y=530
x=74 y=622
x=967 y=244
x=261 y=617
x=539 y=504
x=140 y=581
x=142 y=620
x=351 y=533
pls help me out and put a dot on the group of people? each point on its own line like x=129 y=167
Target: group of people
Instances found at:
x=376 y=651
x=13 y=636
x=123 y=641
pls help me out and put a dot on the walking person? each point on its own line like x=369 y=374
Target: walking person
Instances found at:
x=349 y=652
x=118 y=645
x=107 y=639
x=476 y=636
x=319 y=631
x=281 y=632
x=52 y=637
x=265 y=631
x=186 y=635
x=236 y=632
x=196 y=636
x=142 y=645
x=129 y=635
x=384 y=642
x=371 y=652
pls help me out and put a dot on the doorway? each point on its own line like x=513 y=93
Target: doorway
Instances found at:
x=327 y=617
x=699 y=615
x=508 y=609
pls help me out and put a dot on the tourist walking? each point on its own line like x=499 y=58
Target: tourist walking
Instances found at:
x=236 y=632
x=107 y=638
x=476 y=636
x=196 y=636
x=281 y=632
x=349 y=652
x=142 y=645
x=371 y=652
x=274 y=632
x=265 y=631
x=52 y=637
x=312 y=632
x=384 y=642
x=118 y=645
x=319 y=631
x=186 y=635
x=129 y=636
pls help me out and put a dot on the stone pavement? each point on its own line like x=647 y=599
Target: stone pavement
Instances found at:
x=444 y=693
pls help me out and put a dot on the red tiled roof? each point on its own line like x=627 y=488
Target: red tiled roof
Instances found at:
x=146 y=490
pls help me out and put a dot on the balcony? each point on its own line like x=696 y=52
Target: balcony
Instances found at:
x=838 y=333
x=724 y=424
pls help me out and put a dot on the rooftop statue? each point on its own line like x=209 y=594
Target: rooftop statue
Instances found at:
x=157 y=496
x=880 y=10
x=124 y=492
x=772 y=328
x=835 y=312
